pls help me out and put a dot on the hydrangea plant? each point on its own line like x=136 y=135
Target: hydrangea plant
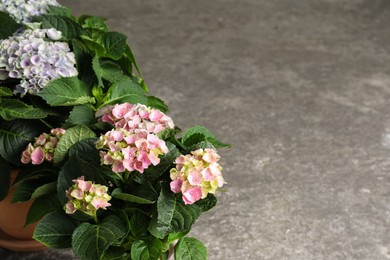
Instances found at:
x=109 y=173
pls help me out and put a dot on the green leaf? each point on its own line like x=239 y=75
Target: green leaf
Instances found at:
x=41 y=207
x=114 y=253
x=69 y=28
x=157 y=103
x=67 y=92
x=84 y=62
x=86 y=151
x=92 y=241
x=5 y=171
x=114 y=44
x=5 y=92
x=207 y=203
x=129 y=54
x=14 y=137
x=152 y=173
x=81 y=115
x=130 y=197
x=189 y=248
x=93 y=22
x=139 y=224
x=125 y=90
x=26 y=189
x=11 y=109
x=45 y=189
x=72 y=136
x=55 y=230
x=60 y=10
x=8 y=26
x=150 y=249
x=197 y=134
x=105 y=69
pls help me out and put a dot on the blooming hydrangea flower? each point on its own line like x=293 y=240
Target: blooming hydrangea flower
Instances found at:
x=136 y=116
x=87 y=197
x=130 y=150
x=196 y=175
x=28 y=57
x=24 y=10
x=43 y=147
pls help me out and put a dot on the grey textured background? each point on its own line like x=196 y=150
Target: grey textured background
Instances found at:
x=301 y=88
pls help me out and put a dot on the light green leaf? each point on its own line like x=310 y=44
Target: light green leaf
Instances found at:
x=150 y=249
x=91 y=241
x=72 y=136
x=93 y=22
x=11 y=109
x=189 y=248
x=5 y=92
x=67 y=92
x=55 y=230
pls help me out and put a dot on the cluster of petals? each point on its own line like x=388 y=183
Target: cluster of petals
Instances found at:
x=196 y=175
x=35 y=57
x=138 y=116
x=24 y=10
x=130 y=150
x=86 y=197
x=43 y=147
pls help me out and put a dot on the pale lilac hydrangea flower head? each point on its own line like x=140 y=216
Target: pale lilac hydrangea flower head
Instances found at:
x=130 y=150
x=24 y=10
x=87 y=197
x=196 y=175
x=138 y=116
x=30 y=57
x=43 y=147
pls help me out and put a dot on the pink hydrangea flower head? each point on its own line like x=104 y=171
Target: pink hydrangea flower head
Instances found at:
x=134 y=117
x=135 y=150
x=196 y=175
x=86 y=197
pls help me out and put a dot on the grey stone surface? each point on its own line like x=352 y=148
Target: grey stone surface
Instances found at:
x=302 y=91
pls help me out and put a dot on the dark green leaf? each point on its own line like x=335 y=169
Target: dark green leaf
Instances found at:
x=60 y=10
x=69 y=28
x=92 y=241
x=11 y=109
x=129 y=54
x=45 y=189
x=150 y=249
x=86 y=150
x=189 y=248
x=81 y=115
x=67 y=92
x=197 y=134
x=130 y=197
x=72 y=136
x=84 y=62
x=14 y=137
x=114 y=44
x=139 y=224
x=105 y=69
x=55 y=230
x=157 y=103
x=41 y=207
x=8 y=26
x=25 y=190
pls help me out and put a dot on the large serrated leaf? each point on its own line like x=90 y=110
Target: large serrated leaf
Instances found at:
x=81 y=115
x=11 y=109
x=72 y=136
x=69 y=28
x=197 y=134
x=105 y=69
x=149 y=249
x=55 y=230
x=155 y=102
x=67 y=92
x=5 y=92
x=114 y=44
x=91 y=241
x=189 y=248
x=41 y=207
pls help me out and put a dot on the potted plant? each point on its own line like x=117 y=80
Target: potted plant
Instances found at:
x=109 y=172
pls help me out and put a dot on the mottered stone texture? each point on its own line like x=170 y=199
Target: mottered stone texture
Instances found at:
x=301 y=89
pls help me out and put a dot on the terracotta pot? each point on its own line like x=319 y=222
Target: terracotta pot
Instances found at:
x=13 y=235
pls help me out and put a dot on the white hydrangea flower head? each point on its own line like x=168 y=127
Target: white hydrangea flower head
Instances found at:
x=24 y=10
x=35 y=58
